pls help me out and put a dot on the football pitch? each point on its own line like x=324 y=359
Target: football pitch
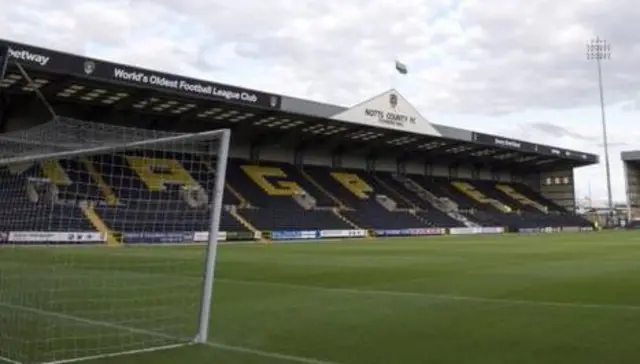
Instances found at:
x=549 y=298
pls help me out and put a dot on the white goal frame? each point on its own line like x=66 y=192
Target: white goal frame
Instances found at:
x=223 y=137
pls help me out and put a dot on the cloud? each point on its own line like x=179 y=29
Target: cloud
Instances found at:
x=470 y=56
x=557 y=131
x=469 y=59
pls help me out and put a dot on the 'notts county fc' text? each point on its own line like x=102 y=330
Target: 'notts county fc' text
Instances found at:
x=389 y=118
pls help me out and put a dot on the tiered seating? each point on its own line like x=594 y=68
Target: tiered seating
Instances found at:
x=503 y=204
x=20 y=213
x=148 y=190
x=271 y=189
x=322 y=199
x=497 y=204
x=442 y=187
x=522 y=202
x=529 y=193
x=73 y=181
x=23 y=215
x=533 y=208
x=385 y=186
x=163 y=216
x=490 y=205
x=429 y=214
x=480 y=198
x=559 y=214
x=278 y=219
x=145 y=192
x=359 y=194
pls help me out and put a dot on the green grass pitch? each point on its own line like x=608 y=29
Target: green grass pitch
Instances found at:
x=554 y=298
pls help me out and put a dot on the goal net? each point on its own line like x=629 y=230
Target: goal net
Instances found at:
x=84 y=208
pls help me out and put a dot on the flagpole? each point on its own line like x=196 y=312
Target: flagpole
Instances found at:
x=401 y=70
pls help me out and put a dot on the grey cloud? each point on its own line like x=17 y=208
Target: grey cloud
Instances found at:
x=490 y=57
x=630 y=106
x=554 y=131
x=614 y=145
x=558 y=131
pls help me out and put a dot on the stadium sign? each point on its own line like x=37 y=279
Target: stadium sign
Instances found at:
x=389 y=117
x=389 y=110
x=64 y=63
x=294 y=235
x=157 y=237
x=527 y=147
x=503 y=142
x=55 y=237
x=354 y=233
x=26 y=55
x=185 y=85
x=203 y=236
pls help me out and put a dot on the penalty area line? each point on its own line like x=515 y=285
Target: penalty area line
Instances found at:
x=117 y=354
x=268 y=354
x=221 y=346
x=438 y=296
x=4 y=359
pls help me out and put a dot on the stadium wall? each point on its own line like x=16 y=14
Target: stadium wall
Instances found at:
x=558 y=186
x=632 y=179
x=631 y=170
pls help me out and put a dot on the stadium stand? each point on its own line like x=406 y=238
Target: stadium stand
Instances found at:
x=142 y=193
x=25 y=208
x=148 y=188
x=368 y=203
x=280 y=197
x=428 y=209
x=295 y=164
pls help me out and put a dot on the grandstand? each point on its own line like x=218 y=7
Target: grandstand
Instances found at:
x=376 y=168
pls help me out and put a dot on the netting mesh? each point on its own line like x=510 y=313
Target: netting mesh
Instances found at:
x=66 y=134
x=142 y=188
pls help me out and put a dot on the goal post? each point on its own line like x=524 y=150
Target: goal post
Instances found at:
x=212 y=246
x=71 y=190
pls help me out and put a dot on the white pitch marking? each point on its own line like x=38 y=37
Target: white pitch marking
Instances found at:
x=437 y=296
x=268 y=354
x=240 y=349
x=9 y=361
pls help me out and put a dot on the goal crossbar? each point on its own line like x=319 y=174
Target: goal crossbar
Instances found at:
x=212 y=134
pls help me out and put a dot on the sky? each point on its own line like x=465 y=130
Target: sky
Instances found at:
x=517 y=68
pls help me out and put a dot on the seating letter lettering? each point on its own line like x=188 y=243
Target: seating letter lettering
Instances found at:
x=353 y=183
x=271 y=180
x=53 y=170
x=156 y=172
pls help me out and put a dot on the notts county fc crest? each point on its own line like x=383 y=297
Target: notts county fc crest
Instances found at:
x=273 y=101
x=393 y=100
x=89 y=67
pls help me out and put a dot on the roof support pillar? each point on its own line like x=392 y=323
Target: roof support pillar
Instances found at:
x=336 y=158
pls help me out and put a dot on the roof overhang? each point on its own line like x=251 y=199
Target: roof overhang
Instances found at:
x=108 y=92
x=630 y=156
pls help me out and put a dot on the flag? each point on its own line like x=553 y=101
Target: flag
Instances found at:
x=401 y=68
